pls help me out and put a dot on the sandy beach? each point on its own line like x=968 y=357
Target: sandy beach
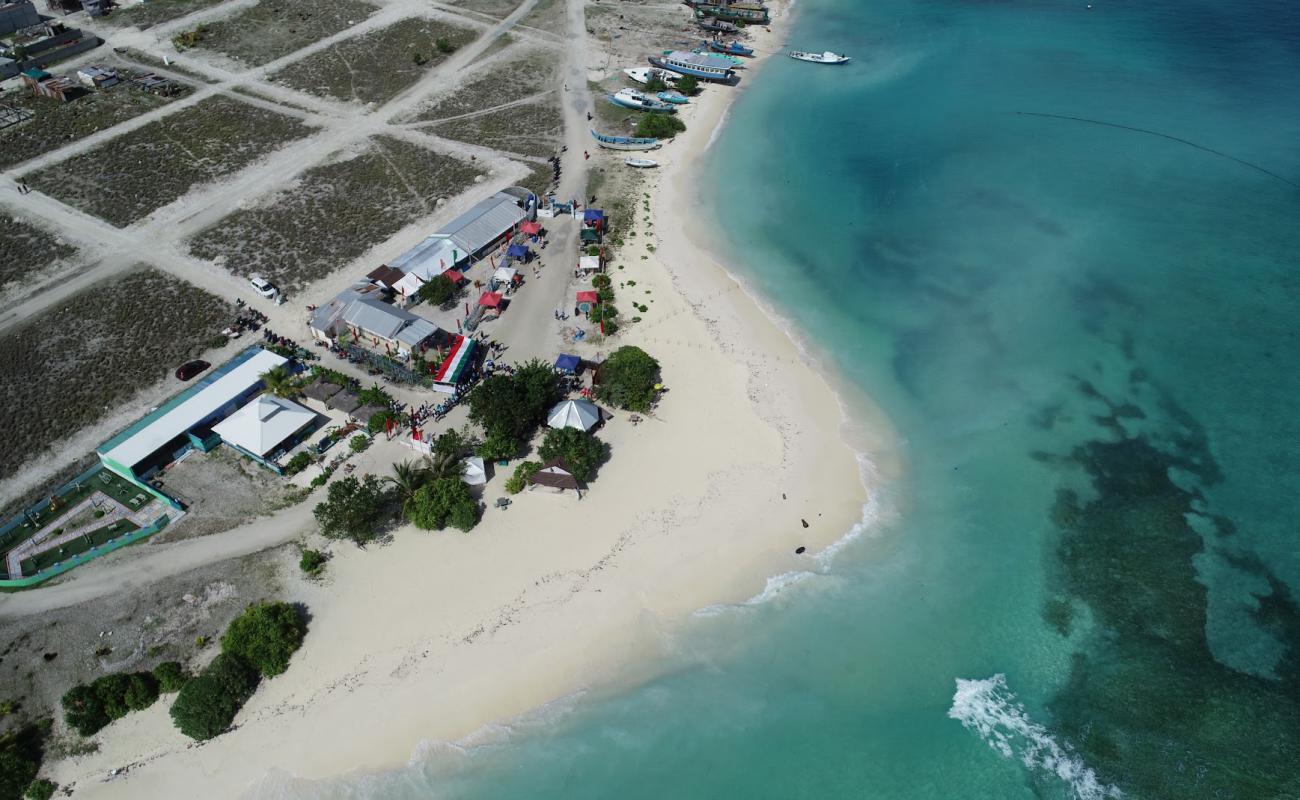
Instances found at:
x=436 y=635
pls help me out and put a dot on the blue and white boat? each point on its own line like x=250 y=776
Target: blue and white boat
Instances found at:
x=715 y=68
x=638 y=101
x=624 y=142
x=731 y=48
x=646 y=74
x=676 y=98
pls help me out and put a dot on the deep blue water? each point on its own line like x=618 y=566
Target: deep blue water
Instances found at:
x=1063 y=247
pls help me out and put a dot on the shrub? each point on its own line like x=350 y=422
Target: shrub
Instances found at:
x=437 y=291
x=358 y=443
x=298 y=463
x=441 y=503
x=655 y=84
x=444 y=46
x=603 y=282
x=40 y=789
x=659 y=126
x=379 y=422
x=354 y=509
x=87 y=709
x=320 y=479
x=419 y=59
x=312 y=562
x=515 y=484
x=171 y=676
x=208 y=704
x=83 y=710
x=265 y=635
x=628 y=378
x=579 y=449
x=688 y=85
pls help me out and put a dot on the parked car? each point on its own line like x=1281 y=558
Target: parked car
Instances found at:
x=264 y=287
x=324 y=444
x=191 y=368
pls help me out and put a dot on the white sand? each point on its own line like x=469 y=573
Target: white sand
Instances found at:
x=439 y=634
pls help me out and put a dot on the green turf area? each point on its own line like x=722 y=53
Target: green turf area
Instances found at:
x=79 y=545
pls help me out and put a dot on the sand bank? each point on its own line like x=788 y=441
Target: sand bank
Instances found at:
x=434 y=636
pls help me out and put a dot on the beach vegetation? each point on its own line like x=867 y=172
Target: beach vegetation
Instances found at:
x=407 y=477
x=444 y=45
x=499 y=446
x=354 y=509
x=628 y=379
x=279 y=382
x=525 y=470
x=379 y=422
x=443 y=502
x=688 y=85
x=21 y=752
x=297 y=464
x=312 y=562
x=437 y=291
x=171 y=676
x=320 y=479
x=509 y=408
x=373 y=395
x=266 y=635
x=207 y=705
x=579 y=449
x=655 y=84
x=358 y=443
x=89 y=708
x=40 y=789
x=659 y=126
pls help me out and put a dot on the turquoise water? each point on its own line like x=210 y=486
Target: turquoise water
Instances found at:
x=1059 y=247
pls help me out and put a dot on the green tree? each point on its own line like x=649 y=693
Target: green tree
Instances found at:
x=171 y=676
x=207 y=705
x=443 y=502
x=540 y=386
x=265 y=635
x=688 y=85
x=499 y=446
x=21 y=752
x=406 y=479
x=437 y=291
x=40 y=789
x=579 y=449
x=354 y=509
x=279 y=382
x=498 y=406
x=525 y=470
x=83 y=710
x=379 y=422
x=312 y=562
x=659 y=126
x=628 y=378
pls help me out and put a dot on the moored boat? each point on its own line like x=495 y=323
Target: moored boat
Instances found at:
x=624 y=142
x=638 y=101
x=820 y=58
x=705 y=67
x=640 y=163
x=731 y=48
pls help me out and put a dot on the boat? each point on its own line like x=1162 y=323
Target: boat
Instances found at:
x=676 y=98
x=640 y=163
x=731 y=48
x=624 y=142
x=705 y=67
x=820 y=58
x=715 y=25
x=638 y=101
x=644 y=74
x=721 y=59
x=748 y=13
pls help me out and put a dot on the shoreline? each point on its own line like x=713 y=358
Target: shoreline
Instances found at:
x=524 y=614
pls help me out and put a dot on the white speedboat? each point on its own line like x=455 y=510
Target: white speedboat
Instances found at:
x=641 y=163
x=644 y=74
x=820 y=58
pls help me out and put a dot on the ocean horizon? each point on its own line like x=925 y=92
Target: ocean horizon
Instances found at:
x=1055 y=244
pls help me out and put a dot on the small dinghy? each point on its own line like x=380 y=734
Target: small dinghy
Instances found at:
x=640 y=163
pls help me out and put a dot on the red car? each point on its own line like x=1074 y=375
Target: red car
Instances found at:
x=191 y=368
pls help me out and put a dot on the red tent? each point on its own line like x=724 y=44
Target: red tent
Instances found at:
x=531 y=228
x=491 y=299
x=454 y=276
x=589 y=297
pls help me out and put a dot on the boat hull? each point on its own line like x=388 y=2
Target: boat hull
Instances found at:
x=625 y=143
x=726 y=76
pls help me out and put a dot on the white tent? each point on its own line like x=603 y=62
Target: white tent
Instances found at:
x=588 y=263
x=261 y=425
x=475 y=473
x=580 y=414
x=505 y=274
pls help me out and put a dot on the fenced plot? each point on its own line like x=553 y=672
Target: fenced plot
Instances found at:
x=335 y=212
x=71 y=366
x=524 y=74
x=130 y=177
x=26 y=249
x=531 y=129
x=376 y=66
x=274 y=28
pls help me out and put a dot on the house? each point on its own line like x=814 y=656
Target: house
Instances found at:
x=385 y=277
x=385 y=327
x=266 y=428
x=555 y=475
x=18 y=15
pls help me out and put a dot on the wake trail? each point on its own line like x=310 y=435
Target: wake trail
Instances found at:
x=1192 y=144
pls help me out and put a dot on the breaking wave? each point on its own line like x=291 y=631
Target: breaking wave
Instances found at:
x=991 y=710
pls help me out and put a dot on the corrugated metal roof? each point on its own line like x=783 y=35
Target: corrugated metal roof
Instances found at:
x=375 y=317
x=433 y=256
x=415 y=333
x=488 y=219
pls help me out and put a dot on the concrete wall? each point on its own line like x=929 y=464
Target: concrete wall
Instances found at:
x=16 y=16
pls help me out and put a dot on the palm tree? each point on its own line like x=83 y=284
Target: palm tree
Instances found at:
x=279 y=382
x=407 y=477
x=444 y=464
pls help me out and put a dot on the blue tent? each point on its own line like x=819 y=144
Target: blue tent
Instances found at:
x=519 y=252
x=593 y=215
x=568 y=364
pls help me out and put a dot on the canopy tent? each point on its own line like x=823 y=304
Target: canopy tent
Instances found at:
x=589 y=264
x=531 y=228
x=588 y=300
x=458 y=359
x=518 y=252
x=590 y=236
x=490 y=300
x=594 y=216
x=475 y=473
x=580 y=414
x=505 y=275
x=568 y=364
x=454 y=276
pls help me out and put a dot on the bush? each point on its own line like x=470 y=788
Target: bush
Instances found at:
x=358 y=443
x=437 y=291
x=41 y=789
x=444 y=46
x=265 y=636
x=87 y=709
x=579 y=449
x=298 y=463
x=603 y=282
x=379 y=422
x=628 y=378
x=320 y=479
x=441 y=503
x=208 y=704
x=354 y=509
x=659 y=126
x=171 y=676
x=83 y=710
x=312 y=562
x=688 y=85
x=515 y=484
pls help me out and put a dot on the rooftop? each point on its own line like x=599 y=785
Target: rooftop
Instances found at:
x=263 y=423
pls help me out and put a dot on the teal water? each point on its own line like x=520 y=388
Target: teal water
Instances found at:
x=1085 y=335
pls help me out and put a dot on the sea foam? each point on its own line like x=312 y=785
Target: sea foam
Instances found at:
x=991 y=710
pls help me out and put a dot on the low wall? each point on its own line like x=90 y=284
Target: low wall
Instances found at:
x=77 y=560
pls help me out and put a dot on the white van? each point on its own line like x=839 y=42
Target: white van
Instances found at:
x=264 y=287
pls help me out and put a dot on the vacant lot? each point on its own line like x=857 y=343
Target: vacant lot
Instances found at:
x=375 y=67
x=497 y=9
x=64 y=370
x=519 y=75
x=275 y=28
x=26 y=250
x=132 y=176
x=532 y=129
x=56 y=124
x=335 y=212
x=549 y=15
x=152 y=12
x=222 y=490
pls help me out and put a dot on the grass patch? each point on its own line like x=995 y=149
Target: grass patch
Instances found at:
x=26 y=249
x=532 y=129
x=70 y=366
x=137 y=173
x=275 y=28
x=530 y=72
x=56 y=124
x=377 y=66
x=335 y=212
x=153 y=12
